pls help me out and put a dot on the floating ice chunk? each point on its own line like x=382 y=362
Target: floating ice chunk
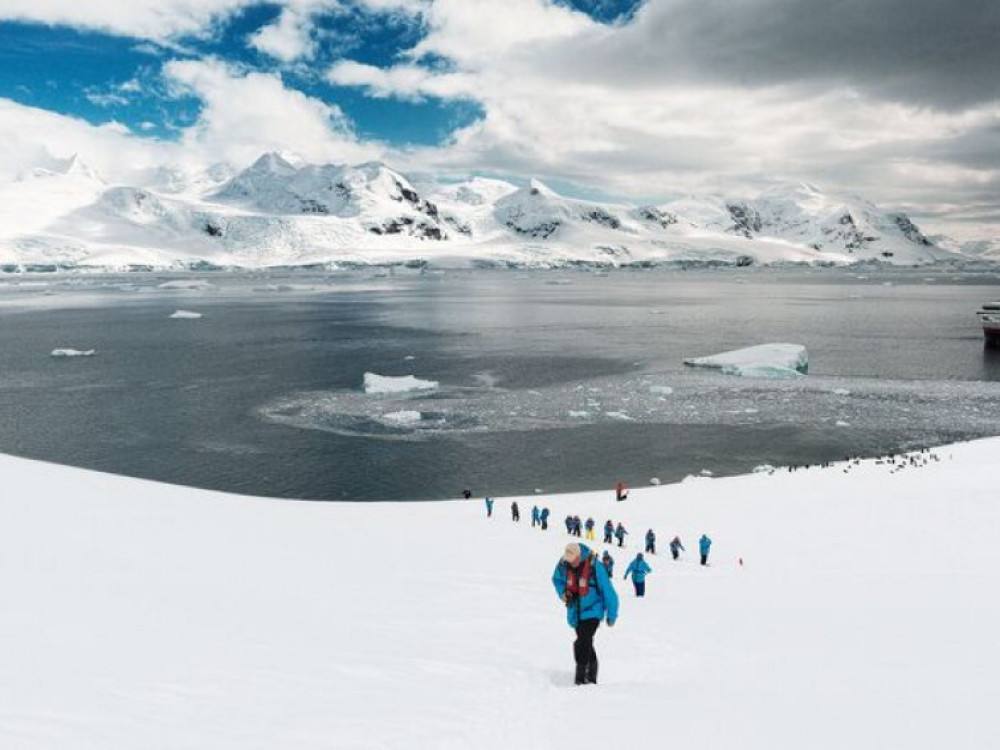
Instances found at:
x=403 y=417
x=706 y=473
x=763 y=469
x=617 y=415
x=409 y=358
x=73 y=353
x=387 y=384
x=841 y=423
x=655 y=481
x=840 y=392
x=185 y=315
x=763 y=361
x=579 y=414
x=187 y=284
x=661 y=390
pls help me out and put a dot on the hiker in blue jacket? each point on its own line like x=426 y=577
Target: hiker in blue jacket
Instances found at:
x=569 y=525
x=489 y=507
x=544 y=518
x=676 y=547
x=638 y=568
x=609 y=531
x=620 y=534
x=609 y=563
x=583 y=585
x=535 y=519
x=651 y=542
x=704 y=544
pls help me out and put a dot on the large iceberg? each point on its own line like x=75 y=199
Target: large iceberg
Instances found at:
x=387 y=384
x=763 y=361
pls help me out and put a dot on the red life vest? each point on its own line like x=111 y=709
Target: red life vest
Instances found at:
x=578 y=579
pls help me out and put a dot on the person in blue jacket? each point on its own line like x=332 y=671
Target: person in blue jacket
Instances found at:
x=639 y=568
x=583 y=585
x=489 y=507
x=609 y=563
x=676 y=547
x=544 y=517
x=535 y=519
x=620 y=533
x=704 y=545
x=651 y=542
x=609 y=531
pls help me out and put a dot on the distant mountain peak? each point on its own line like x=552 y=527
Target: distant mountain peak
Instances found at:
x=539 y=188
x=73 y=166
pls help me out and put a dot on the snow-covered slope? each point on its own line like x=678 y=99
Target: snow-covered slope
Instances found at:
x=140 y=615
x=281 y=210
x=39 y=197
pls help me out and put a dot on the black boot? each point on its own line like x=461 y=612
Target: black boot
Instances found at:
x=591 y=676
x=581 y=674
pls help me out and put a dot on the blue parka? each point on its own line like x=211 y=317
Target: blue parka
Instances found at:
x=638 y=568
x=705 y=544
x=535 y=515
x=601 y=600
x=609 y=563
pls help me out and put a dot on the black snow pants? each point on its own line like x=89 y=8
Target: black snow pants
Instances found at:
x=584 y=653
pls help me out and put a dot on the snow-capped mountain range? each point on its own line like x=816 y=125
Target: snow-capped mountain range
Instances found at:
x=282 y=211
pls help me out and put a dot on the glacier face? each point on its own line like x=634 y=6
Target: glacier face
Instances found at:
x=282 y=211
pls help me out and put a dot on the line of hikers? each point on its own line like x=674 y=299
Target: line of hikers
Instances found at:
x=575 y=526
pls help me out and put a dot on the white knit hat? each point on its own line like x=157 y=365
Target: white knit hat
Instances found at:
x=572 y=552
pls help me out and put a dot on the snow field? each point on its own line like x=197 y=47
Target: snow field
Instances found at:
x=144 y=615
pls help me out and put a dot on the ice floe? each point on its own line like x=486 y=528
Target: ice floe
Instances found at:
x=763 y=361
x=387 y=384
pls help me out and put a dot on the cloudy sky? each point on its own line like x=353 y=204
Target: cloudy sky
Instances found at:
x=898 y=100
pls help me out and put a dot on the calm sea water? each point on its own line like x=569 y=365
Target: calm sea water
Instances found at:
x=552 y=380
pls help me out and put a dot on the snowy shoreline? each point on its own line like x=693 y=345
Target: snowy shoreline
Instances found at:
x=408 y=261
x=140 y=614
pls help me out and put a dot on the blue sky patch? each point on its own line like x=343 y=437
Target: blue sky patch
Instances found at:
x=102 y=78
